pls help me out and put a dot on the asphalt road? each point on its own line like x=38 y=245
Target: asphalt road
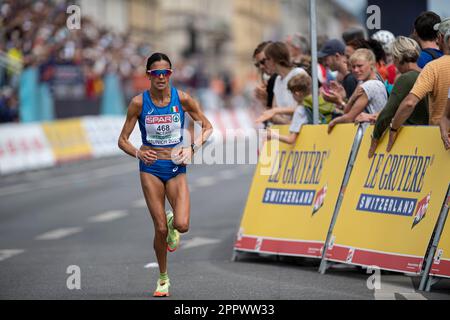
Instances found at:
x=92 y=215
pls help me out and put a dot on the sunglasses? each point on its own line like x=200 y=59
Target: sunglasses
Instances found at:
x=158 y=72
x=260 y=62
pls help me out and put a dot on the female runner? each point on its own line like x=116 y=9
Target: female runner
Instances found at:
x=160 y=112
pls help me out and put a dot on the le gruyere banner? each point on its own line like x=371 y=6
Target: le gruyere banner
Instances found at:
x=294 y=192
x=392 y=202
x=441 y=261
x=68 y=139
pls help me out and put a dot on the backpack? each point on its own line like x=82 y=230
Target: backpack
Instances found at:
x=310 y=116
x=432 y=53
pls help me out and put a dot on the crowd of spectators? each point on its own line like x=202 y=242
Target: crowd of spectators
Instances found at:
x=34 y=34
x=380 y=79
x=384 y=80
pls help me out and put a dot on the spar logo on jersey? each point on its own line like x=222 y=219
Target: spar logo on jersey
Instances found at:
x=320 y=198
x=159 y=119
x=422 y=207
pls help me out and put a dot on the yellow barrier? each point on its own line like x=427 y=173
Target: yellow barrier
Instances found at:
x=392 y=202
x=288 y=211
x=441 y=262
x=68 y=139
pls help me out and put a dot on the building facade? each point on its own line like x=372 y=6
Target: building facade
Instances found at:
x=219 y=35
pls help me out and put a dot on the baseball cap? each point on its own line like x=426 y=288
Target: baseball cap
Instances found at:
x=443 y=26
x=331 y=47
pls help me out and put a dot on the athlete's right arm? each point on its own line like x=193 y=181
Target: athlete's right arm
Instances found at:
x=134 y=110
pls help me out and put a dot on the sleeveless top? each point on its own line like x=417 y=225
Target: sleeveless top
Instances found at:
x=161 y=126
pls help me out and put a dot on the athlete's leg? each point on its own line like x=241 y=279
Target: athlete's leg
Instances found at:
x=177 y=192
x=154 y=193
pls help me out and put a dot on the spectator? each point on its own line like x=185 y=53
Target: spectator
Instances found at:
x=305 y=64
x=300 y=87
x=279 y=62
x=333 y=55
x=298 y=47
x=376 y=48
x=264 y=91
x=8 y=106
x=353 y=34
x=434 y=81
x=370 y=96
x=35 y=33
x=386 y=38
x=427 y=37
x=405 y=52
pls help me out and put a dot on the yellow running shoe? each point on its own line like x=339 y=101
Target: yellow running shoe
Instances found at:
x=173 y=236
x=162 y=288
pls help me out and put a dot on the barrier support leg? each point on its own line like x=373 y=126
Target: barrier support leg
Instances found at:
x=431 y=282
x=425 y=282
x=324 y=265
x=234 y=256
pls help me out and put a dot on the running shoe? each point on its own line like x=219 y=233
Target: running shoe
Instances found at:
x=173 y=236
x=162 y=290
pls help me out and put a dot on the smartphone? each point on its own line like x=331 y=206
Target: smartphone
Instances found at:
x=326 y=88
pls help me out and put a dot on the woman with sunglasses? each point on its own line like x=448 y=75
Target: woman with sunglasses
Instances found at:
x=160 y=113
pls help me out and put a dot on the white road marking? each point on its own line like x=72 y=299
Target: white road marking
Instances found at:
x=59 y=233
x=205 y=181
x=197 y=242
x=151 y=265
x=109 y=216
x=8 y=253
x=139 y=203
x=390 y=285
x=68 y=180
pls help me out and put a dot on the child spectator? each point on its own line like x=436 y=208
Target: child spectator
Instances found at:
x=300 y=87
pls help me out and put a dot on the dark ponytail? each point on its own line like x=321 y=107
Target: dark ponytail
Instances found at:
x=157 y=56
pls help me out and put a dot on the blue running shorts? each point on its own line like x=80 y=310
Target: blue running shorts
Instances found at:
x=163 y=169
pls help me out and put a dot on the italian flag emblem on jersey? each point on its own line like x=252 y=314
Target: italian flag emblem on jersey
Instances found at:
x=175 y=109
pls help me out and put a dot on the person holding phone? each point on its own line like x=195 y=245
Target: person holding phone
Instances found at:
x=333 y=56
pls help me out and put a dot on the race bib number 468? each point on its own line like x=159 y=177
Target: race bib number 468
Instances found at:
x=163 y=129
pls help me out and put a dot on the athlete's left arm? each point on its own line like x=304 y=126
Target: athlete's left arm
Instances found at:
x=192 y=107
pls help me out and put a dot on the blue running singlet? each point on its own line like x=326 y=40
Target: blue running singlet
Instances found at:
x=162 y=127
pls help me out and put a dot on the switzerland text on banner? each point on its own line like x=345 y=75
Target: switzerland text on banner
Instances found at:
x=392 y=202
x=289 y=208
x=441 y=261
x=68 y=140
